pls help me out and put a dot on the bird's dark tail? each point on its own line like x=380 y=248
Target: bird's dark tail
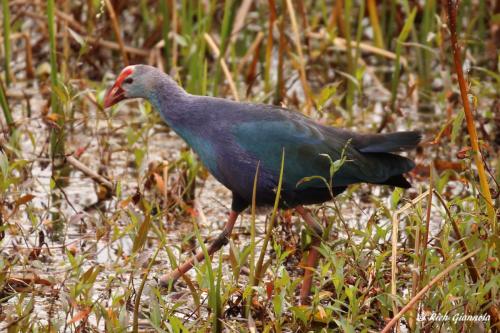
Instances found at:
x=387 y=142
x=380 y=147
x=397 y=181
x=394 y=167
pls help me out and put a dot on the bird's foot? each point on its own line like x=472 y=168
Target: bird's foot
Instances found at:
x=167 y=281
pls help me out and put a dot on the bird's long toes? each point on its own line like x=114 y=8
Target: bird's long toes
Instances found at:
x=167 y=282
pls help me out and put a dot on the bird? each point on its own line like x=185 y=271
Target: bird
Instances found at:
x=238 y=142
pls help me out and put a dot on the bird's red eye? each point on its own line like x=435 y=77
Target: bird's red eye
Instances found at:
x=128 y=80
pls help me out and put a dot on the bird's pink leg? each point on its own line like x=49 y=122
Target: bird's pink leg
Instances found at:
x=312 y=258
x=219 y=242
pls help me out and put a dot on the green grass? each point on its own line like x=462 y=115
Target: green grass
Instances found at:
x=229 y=9
x=165 y=28
x=5 y=105
x=57 y=138
x=6 y=40
x=399 y=48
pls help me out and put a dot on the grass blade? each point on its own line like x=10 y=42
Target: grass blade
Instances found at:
x=56 y=138
x=224 y=35
x=164 y=8
x=260 y=262
x=251 y=277
x=377 y=31
x=6 y=39
x=137 y=303
x=397 y=63
x=422 y=292
x=5 y=105
x=471 y=128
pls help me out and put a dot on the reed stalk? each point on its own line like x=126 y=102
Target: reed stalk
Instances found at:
x=301 y=58
x=267 y=237
x=6 y=40
x=403 y=35
x=5 y=106
x=377 y=30
x=137 y=303
x=350 y=64
x=421 y=251
x=57 y=134
x=359 y=32
x=251 y=277
x=224 y=37
x=117 y=30
x=471 y=128
x=165 y=27
x=425 y=29
x=424 y=290
x=269 y=45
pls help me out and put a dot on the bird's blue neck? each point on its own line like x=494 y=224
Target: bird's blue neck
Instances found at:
x=169 y=99
x=177 y=110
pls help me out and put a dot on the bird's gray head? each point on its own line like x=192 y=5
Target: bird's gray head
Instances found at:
x=139 y=81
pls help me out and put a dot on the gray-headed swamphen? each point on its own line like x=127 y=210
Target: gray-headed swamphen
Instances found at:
x=233 y=138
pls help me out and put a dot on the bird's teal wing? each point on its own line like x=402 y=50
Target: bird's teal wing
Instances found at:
x=309 y=151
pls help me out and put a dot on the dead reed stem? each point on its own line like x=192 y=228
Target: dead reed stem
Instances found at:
x=116 y=29
x=89 y=172
x=298 y=46
x=417 y=277
x=422 y=292
x=478 y=159
x=473 y=271
x=394 y=238
x=225 y=69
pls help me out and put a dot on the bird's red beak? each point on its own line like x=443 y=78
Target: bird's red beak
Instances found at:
x=116 y=92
